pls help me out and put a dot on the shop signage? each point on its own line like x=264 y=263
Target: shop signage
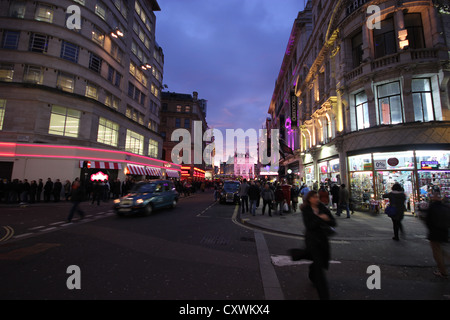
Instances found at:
x=393 y=162
x=99 y=176
x=429 y=165
x=380 y=164
x=294 y=104
x=368 y=166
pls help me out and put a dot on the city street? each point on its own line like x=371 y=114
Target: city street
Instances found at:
x=200 y=251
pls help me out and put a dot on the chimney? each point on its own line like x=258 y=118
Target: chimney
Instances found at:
x=195 y=95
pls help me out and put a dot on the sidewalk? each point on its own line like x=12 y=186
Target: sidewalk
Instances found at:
x=361 y=226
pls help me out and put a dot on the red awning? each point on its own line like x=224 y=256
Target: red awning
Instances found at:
x=137 y=170
x=154 y=172
x=103 y=165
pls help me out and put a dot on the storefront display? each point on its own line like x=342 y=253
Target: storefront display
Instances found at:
x=309 y=175
x=329 y=171
x=361 y=188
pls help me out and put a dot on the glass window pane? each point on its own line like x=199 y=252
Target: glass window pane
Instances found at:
x=396 y=110
x=421 y=85
x=389 y=89
x=385 y=110
x=417 y=102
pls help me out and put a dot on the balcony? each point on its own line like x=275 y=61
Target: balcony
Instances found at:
x=385 y=61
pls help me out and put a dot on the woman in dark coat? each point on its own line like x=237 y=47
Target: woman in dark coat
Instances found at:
x=318 y=220
x=438 y=232
x=397 y=200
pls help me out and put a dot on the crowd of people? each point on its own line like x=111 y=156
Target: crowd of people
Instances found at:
x=24 y=191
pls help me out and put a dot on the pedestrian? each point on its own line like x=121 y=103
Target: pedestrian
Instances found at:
x=33 y=191
x=57 y=188
x=279 y=200
x=40 y=187
x=67 y=187
x=268 y=197
x=324 y=196
x=397 y=200
x=437 y=222
x=318 y=222
x=335 y=196
x=294 y=196
x=25 y=191
x=243 y=194
x=304 y=190
x=77 y=198
x=344 y=198
x=48 y=187
x=97 y=192
x=253 y=195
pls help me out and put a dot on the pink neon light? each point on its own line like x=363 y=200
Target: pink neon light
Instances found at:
x=6 y=144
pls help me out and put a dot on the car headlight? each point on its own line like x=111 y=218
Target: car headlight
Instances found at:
x=117 y=201
x=139 y=201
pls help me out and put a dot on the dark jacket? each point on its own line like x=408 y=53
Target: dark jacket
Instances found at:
x=253 y=192
x=77 y=194
x=397 y=200
x=316 y=237
x=436 y=232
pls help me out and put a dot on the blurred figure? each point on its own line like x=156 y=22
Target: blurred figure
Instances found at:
x=77 y=198
x=397 y=200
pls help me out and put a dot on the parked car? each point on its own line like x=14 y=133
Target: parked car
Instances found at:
x=147 y=197
x=230 y=192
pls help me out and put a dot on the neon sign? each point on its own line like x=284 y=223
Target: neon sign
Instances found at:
x=99 y=176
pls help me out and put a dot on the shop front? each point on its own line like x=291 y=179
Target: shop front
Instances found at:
x=98 y=170
x=329 y=171
x=372 y=175
x=309 y=175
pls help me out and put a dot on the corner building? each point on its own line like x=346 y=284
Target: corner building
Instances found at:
x=70 y=96
x=373 y=100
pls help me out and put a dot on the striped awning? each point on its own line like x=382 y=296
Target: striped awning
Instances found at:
x=173 y=173
x=137 y=170
x=154 y=172
x=103 y=165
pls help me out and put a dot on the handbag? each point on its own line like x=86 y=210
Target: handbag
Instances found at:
x=390 y=211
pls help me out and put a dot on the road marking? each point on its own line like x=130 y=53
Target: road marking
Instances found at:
x=283 y=261
x=200 y=214
x=22 y=235
x=35 y=228
x=9 y=233
x=47 y=229
x=55 y=223
x=24 y=252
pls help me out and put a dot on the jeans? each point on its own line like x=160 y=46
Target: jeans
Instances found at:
x=253 y=206
x=269 y=204
x=339 y=209
x=75 y=207
x=244 y=201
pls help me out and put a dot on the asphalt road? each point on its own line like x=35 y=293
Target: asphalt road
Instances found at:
x=196 y=251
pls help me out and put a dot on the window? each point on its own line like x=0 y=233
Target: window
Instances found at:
x=10 y=39
x=136 y=94
x=65 y=82
x=114 y=77
x=422 y=100
x=178 y=123
x=187 y=124
x=6 y=72
x=413 y=23
x=98 y=36
x=108 y=132
x=82 y=2
x=33 y=74
x=112 y=101
x=92 y=91
x=357 y=51
x=153 y=147
x=2 y=112
x=17 y=9
x=38 y=43
x=64 y=122
x=44 y=13
x=116 y=52
x=384 y=39
x=362 y=111
x=389 y=103
x=134 y=143
x=95 y=63
x=100 y=10
x=70 y=51
x=187 y=109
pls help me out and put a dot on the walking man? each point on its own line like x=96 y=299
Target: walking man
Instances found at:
x=243 y=193
x=77 y=197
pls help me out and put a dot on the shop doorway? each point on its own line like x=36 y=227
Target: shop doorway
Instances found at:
x=384 y=180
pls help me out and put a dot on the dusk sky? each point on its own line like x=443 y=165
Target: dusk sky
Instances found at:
x=229 y=51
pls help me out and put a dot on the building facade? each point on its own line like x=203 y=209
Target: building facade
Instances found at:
x=184 y=111
x=79 y=81
x=371 y=93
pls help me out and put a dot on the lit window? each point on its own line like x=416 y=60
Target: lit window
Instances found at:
x=44 y=13
x=65 y=82
x=33 y=74
x=64 y=122
x=17 y=9
x=389 y=103
x=98 y=36
x=6 y=72
x=362 y=111
x=92 y=91
x=134 y=142
x=108 y=132
x=153 y=147
x=100 y=10
x=2 y=112
x=422 y=100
